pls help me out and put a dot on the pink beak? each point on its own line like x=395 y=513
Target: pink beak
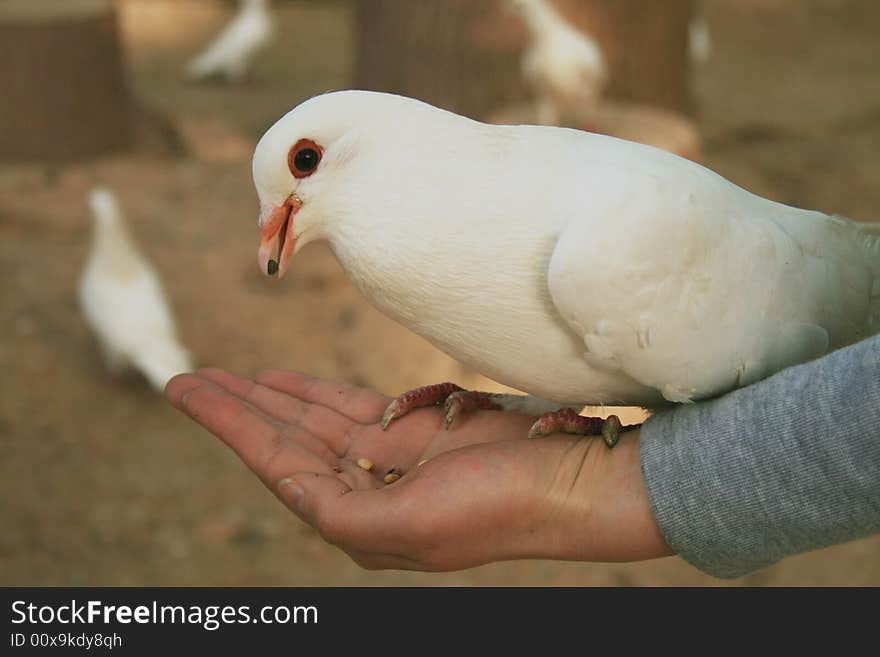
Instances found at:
x=276 y=236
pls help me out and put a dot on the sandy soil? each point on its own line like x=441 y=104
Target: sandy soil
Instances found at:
x=102 y=483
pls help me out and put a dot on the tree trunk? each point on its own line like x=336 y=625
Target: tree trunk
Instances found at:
x=645 y=43
x=64 y=91
x=464 y=55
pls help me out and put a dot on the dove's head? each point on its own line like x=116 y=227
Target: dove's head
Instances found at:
x=331 y=157
x=291 y=164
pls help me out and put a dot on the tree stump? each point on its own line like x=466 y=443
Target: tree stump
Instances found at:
x=64 y=89
x=464 y=55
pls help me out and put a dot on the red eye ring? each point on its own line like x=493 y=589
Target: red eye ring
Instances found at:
x=304 y=157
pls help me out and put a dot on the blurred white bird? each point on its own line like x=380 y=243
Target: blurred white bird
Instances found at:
x=123 y=302
x=699 y=40
x=231 y=52
x=563 y=67
x=577 y=267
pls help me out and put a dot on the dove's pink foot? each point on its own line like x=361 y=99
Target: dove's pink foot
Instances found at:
x=455 y=399
x=567 y=420
x=417 y=398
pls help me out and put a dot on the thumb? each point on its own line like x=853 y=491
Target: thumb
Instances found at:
x=315 y=498
x=351 y=519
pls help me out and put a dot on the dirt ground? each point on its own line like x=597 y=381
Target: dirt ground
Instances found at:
x=103 y=483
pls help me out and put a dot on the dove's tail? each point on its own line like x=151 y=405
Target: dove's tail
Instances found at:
x=160 y=361
x=869 y=238
x=202 y=66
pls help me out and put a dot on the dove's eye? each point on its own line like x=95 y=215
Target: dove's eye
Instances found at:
x=303 y=158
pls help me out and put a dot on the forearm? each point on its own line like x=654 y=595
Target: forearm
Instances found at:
x=787 y=465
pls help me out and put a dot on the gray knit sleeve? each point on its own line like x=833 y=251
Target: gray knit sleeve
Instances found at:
x=786 y=465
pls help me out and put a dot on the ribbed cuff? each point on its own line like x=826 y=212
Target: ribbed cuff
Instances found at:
x=787 y=465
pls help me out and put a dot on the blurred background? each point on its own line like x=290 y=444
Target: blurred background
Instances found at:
x=101 y=481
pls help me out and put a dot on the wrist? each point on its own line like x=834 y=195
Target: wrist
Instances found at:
x=607 y=516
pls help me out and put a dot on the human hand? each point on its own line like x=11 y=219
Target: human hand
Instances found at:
x=485 y=493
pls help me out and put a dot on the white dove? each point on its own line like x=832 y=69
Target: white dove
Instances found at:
x=579 y=268
x=123 y=302
x=563 y=66
x=231 y=51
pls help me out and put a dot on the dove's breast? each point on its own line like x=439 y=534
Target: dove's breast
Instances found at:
x=491 y=310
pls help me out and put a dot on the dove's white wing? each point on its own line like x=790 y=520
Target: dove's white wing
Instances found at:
x=132 y=320
x=693 y=286
x=126 y=312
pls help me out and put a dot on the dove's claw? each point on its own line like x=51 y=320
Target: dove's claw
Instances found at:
x=451 y=409
x=391 y=412
x=464 y=401
x=611 y=429
x=417 y=398
x=567 y=420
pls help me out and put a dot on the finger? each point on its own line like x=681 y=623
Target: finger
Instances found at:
x=233 y=384
x=328 y=425
x=257 y=441
x=327 y=433
x=359 y=404
x=178 y=389
x=351 y=519
x=178 y=386
x=237 y=385
x=310 y=496
x=329 y=451
x=401 y=446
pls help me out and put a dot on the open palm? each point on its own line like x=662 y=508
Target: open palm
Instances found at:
x=484 y=493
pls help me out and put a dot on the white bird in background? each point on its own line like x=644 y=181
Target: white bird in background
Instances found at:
x=563 y=66
x=579 y=268
x=230 y=54
x=123 y=302
x=699 y=40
